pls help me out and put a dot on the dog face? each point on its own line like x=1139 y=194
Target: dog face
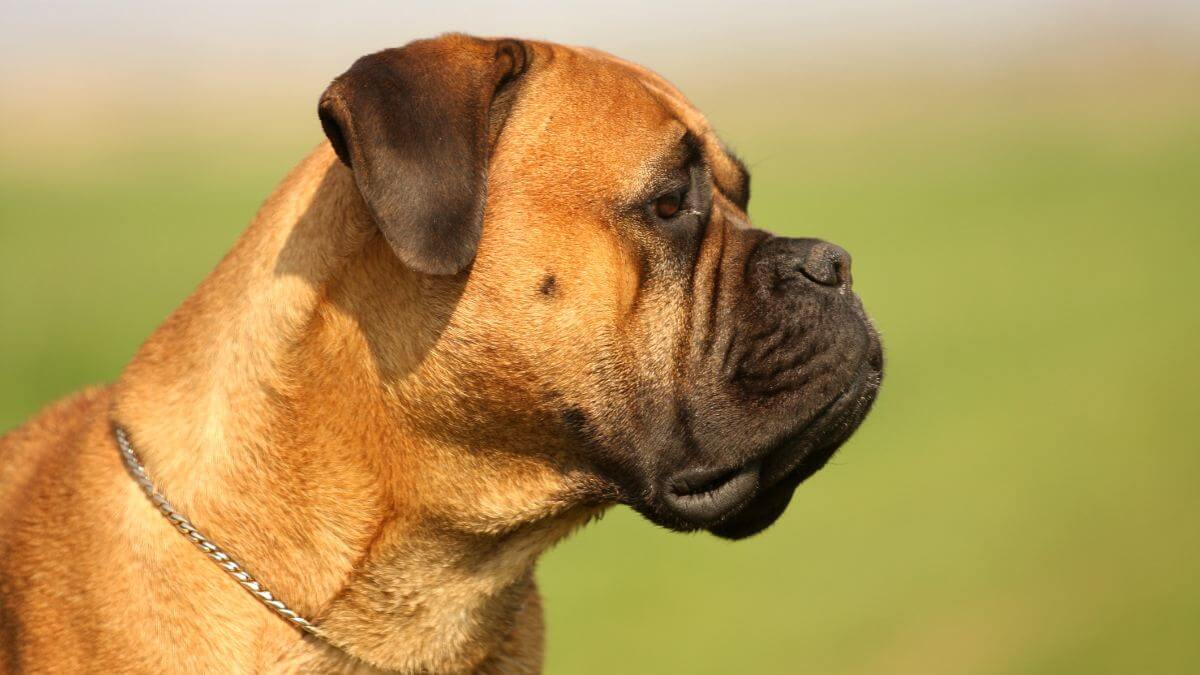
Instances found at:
x=611 y=279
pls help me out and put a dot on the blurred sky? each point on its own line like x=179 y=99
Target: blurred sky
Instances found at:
x=81 y=74
x=180 y=42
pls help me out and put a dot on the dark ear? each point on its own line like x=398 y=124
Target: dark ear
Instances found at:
x=416 y=125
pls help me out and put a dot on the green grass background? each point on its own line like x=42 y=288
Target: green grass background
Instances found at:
x=1023 y=499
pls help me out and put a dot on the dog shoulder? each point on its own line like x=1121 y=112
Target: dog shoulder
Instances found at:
x=32 y=456
x=24 y=448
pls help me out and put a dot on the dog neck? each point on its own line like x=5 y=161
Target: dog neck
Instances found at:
x=304 y=408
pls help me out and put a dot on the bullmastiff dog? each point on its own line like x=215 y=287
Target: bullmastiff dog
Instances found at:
x=515 y=286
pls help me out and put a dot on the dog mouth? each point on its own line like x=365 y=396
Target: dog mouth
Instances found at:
x=740 y=501
x=704 y=496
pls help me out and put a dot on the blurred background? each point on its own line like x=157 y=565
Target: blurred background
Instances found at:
x=1019 y=184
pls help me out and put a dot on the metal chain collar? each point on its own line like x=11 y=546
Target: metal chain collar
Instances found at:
x=231 y=567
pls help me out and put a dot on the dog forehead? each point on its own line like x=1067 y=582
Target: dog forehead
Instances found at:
x=667 y=94
x=586 y=116
x=619 y=80
x=596 y=112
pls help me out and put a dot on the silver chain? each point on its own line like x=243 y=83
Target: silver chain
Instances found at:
x=231 y=567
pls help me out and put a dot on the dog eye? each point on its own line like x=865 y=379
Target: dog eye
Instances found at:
x=667 y=206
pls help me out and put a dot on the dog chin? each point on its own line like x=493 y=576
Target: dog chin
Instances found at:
x=744 y=519
x=768 y=504
x=757 y=515
x=745 y=500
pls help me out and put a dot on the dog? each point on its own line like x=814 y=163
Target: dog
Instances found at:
x=514 y=286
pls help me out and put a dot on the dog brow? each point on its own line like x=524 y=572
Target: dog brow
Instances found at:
x=743 y=171
x=741 y=194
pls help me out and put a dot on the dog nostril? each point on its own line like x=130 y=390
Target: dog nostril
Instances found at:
x=827 y=265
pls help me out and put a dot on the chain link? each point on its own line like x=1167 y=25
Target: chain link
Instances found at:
x=214 y=552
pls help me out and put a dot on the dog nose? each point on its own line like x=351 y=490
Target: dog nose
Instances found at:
x=805 y=261
x=827 y=264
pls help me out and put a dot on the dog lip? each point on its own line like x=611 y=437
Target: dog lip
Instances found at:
x=704 y=496
x=775 y=489
x=823 y=434
x=799 y=443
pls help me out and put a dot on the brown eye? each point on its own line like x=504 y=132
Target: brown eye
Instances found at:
x=668 y=205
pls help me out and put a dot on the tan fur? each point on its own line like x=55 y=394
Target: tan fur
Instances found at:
x=346 y=427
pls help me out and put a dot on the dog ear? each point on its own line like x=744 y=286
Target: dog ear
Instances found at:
x=416 y=126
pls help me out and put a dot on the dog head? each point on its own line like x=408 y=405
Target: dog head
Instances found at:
x=609 y=278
